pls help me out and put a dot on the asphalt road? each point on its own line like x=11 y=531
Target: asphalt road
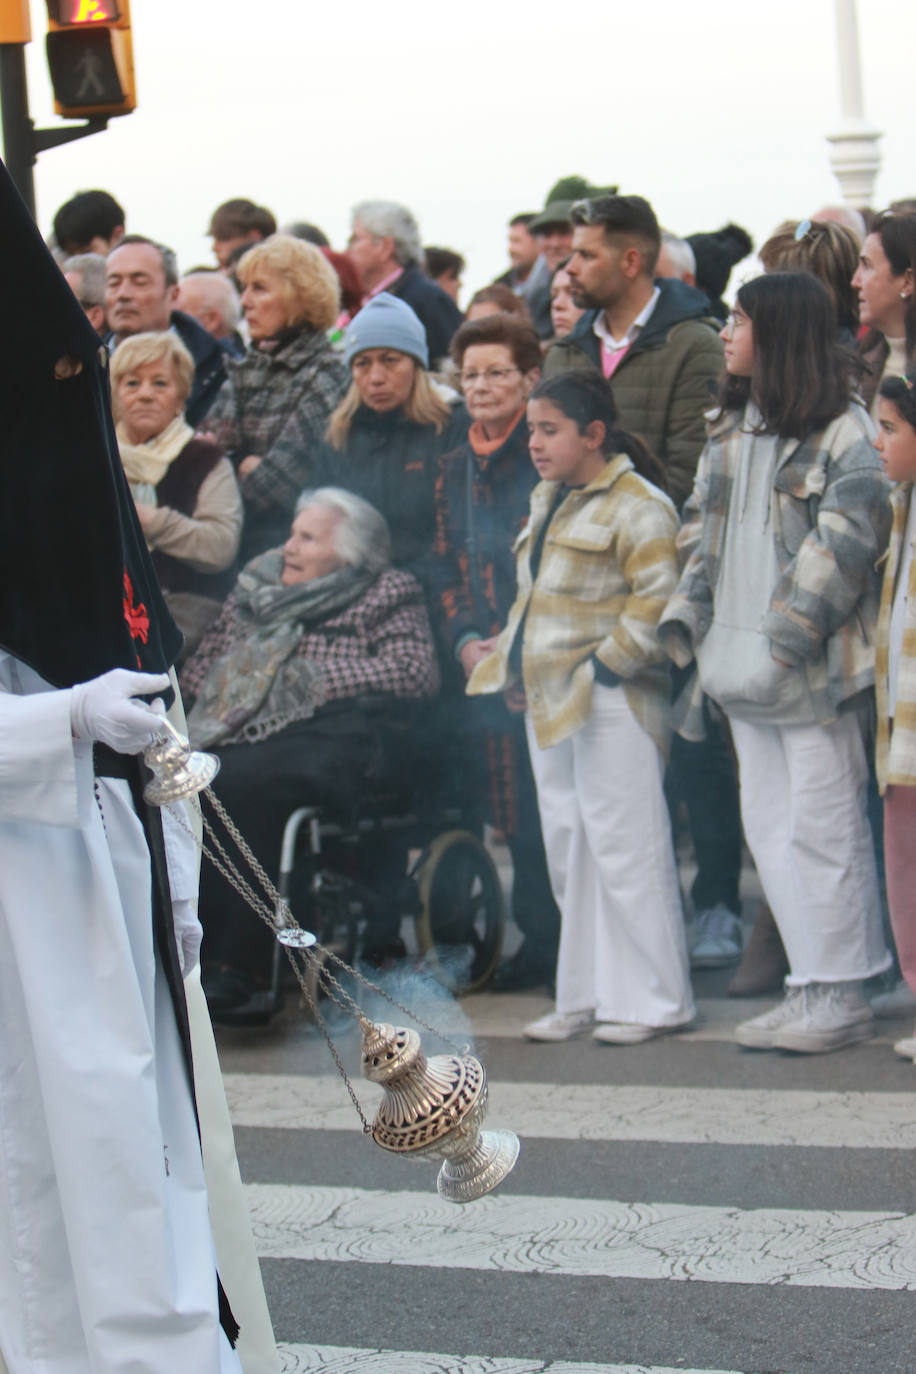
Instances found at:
x=681 y=1205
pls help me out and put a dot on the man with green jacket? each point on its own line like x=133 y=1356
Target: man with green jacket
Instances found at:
x=659 y=348
x=655 y=342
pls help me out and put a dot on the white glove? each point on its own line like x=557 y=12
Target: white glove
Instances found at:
x=188 y=934
x=104 y=709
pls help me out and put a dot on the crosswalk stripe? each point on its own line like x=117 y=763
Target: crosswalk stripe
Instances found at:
x=598 y=1111
x=574 y=1237
x=335 y=1359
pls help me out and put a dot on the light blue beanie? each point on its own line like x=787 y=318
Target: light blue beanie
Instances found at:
x=386 y=322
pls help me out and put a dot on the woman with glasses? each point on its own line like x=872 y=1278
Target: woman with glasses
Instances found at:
x=482 y=500
x=777 y=604
x=884 y=280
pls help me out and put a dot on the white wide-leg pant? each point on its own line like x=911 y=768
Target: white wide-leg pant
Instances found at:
x=608 y=841
x=803 y=797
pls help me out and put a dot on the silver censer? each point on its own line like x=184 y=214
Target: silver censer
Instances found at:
x=434 y=1108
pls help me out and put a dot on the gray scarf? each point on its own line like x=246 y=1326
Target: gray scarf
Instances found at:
x=260 y=685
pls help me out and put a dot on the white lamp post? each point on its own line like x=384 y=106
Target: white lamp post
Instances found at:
x=854 y=155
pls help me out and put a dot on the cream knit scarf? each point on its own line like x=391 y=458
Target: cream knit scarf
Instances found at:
x=149 y=462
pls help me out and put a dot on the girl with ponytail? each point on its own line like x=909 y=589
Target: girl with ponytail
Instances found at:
x=596 y=564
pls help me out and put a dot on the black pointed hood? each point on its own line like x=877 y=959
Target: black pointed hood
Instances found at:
x=78 y=594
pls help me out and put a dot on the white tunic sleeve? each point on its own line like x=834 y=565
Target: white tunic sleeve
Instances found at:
x=37 y=751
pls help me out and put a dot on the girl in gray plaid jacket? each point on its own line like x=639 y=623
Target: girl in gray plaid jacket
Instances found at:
x=778 y=604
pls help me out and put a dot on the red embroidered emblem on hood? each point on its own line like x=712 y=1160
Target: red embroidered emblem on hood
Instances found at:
x=136 y=616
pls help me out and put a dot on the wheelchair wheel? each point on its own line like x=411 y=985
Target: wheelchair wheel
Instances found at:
x=462 y=913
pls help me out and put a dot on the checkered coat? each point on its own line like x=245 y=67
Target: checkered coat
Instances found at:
x=607 y=569
x=832 y=518
x=895 y=755
x=381 y=644
x=277 y=405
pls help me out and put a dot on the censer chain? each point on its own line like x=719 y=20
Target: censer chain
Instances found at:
x=336 y=991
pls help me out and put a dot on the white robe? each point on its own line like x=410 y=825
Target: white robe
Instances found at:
x=106 y=1254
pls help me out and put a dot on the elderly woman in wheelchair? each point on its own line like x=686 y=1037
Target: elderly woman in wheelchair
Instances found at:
x=313 y=662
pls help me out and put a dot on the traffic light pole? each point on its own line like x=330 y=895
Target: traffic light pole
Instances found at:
x=22 y=142
x=18 y=134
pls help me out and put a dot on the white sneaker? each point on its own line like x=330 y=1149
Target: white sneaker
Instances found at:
x=716 y=938
x=832 y=1015
x=906 y=1048
x=760 y=1032
x=560 y=1026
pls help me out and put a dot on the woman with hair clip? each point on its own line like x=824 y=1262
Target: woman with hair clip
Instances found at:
x=827 y=250
x=884 y=280
x=778 y=604
x=596 y=564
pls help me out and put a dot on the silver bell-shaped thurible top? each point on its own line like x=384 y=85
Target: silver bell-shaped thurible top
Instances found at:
x=435 y=1108
x=178 y=770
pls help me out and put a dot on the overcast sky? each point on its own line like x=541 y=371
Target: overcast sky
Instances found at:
x=715 y=110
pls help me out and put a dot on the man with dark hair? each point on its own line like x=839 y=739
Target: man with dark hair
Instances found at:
x=238 y=222
x=659 y=349
x=444 y=266
x=91 y=222
x=523 y=252
x=141 y=294
x=654 y=339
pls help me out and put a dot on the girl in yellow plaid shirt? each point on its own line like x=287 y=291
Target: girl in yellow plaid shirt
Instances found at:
x=579 y=654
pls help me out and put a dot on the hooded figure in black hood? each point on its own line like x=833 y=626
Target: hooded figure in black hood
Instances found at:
x=106 y=1257
x=78 y=594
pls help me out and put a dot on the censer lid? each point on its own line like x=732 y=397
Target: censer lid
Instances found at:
x=389 y=1051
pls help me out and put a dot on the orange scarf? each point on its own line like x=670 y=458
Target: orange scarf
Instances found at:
x=483 y=446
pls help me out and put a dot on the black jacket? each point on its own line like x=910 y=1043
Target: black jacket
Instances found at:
x=209 y=364
x=435 y=308
x=481 y=506
x=393 y=463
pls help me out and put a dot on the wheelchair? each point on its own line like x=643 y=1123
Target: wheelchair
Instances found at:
x=449 y=886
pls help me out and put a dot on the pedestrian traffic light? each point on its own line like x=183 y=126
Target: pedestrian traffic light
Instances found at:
x=14 y=21
x=90 y=57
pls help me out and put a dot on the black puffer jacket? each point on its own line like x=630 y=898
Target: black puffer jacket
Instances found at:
x=393 y=463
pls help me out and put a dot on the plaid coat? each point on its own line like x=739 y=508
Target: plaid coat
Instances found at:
x=380 y=644
x=832 y=519
x=607 y=569
x=277 y=405
x=895 y=755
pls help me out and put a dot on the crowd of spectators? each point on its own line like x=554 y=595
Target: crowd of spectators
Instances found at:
x=629 y=536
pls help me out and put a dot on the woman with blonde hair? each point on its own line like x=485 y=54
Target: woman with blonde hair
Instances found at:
x=272 y=412
x=385 y=439
x=185 y=491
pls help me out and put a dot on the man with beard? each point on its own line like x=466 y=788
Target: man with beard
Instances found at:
x=654 y=341
x=658 y=347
